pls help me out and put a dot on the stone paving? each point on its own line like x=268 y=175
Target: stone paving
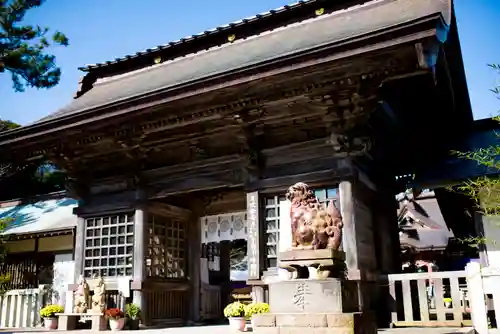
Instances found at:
x=224 y=329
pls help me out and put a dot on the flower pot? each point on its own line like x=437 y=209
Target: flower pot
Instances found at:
x=133 y=324
x=50 y=323
x=237 y=324
x=116 y=324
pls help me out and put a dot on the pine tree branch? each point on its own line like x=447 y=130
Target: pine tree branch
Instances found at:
x=23 y=47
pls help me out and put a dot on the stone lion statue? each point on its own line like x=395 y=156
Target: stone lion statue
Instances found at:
x=98 y=299
x=313 y=225
x=81 y=296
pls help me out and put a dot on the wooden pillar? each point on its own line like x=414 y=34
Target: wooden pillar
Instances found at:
x=79 y=247
x=349 y=231
x=358 y=240
x=194 y=256
x=225 y=268
x=140 y=248
x=387 y=233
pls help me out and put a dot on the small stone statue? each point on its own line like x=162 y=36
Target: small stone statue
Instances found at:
x=313 y=226
x=81 y=296
x=98 y=299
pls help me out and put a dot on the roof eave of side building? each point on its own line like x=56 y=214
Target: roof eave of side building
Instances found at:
x=40 y=234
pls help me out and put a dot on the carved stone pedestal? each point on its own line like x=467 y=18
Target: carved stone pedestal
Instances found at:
x=310 y=296
x=313 y=263
x=316 y=300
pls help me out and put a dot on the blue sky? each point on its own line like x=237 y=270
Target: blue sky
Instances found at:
x=101 y=30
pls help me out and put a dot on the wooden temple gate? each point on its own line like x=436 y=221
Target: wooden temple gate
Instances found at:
x=320 y=92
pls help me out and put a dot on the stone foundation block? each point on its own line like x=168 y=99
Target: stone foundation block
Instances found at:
x=264 y=320
x=266 y=330
x=305 y=330
x=315 y=323
x=364 y=323
x=302 y=330
x=67 y=322
x=301 y=320
x=340 y=320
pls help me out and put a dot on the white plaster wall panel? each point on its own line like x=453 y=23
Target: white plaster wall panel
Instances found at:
x=64 y=270
x=224 y=226
x=212 y=229
x=239 y=226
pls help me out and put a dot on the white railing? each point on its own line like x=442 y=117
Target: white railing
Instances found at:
x=484 y=297
x=21 y=308
x=437 y=299
x=210 y=302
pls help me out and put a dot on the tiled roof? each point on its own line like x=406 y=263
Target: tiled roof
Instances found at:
x=431 y=239
x=286 y=41
x=40 y=216
x=216 y=30
x=431 y=231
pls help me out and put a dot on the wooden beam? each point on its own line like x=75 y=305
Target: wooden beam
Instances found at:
x=280 y=184
x=169 y=210
x=207 y=165
x=179 y=185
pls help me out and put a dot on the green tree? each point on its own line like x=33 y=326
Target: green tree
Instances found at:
x=4 y=170
x=25 y=179
x=5 y=277
x=28 y=178
x=7 y=125
x=485 y=190
x=23 y=48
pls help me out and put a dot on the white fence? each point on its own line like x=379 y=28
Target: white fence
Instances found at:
x=21 y=308
x=447 y=299
x=437 y=299
x=484 y=297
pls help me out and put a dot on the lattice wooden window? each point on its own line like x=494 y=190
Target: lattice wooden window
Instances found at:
x=272 y=215
x=327 y=194
x=166 y=248
x=109 y=246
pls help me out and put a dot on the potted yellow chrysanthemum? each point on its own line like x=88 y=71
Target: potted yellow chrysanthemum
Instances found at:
x=235 y=312
x=251 y=310
x=48 y=313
